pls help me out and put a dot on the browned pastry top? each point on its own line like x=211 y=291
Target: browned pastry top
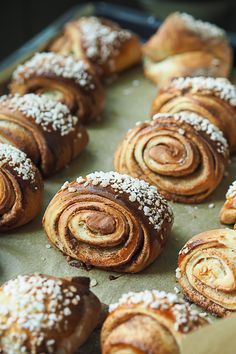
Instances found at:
x=219 y=87
x=56 y=65
x=50 y=115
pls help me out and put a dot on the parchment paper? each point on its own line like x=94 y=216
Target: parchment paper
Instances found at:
x=128 y=100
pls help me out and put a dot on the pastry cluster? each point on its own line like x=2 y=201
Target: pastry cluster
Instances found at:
x=119 y=220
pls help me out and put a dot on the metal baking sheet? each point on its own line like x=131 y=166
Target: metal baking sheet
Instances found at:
x=128 y=100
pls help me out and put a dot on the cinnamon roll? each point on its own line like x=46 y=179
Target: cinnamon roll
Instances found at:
x=44 y=129
x=109 y=221
x=44 y=314
x=21 y=188
x=109 y=48
x=184 y=46
x=228 y=211
x=213 y=98
x=182 y=154
x=207 y=271
x=71 y=82
x=148 y=322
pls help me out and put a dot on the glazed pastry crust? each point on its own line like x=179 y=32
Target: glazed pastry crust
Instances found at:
x=70 y=317
x=127 y=242
x=137 y=327
x=214 y=99
x=43 y=129
x=73 y=83
x=172 y=153
x=103 y=43
x=185 y=47
x=21 y=189
x=207 y=271
x=228 y=211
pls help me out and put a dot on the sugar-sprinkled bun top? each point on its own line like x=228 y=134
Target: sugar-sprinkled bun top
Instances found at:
x=231 y=193
x=102 y=39
x=204 y=29
x=153 y=205
x=200 y=124
x=57 y=65
x=220 y=87
x=49 y=114
x=33 y=308
x=184 y=318
x=18 y=161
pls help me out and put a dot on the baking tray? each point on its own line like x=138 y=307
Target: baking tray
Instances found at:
x=128 y=100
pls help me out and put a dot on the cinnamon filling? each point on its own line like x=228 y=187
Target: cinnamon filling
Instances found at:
x=101 y=223
x=166 y=154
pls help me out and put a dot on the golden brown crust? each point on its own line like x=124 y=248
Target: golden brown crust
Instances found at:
x=97 y=220
x=103 y=43
x=184 y=46
x=44 y=129
x=228 y=211
x=21 y=188
x=207 y=271
x=148 y=322
x=63 y=79
x=175 y=153
x=212 y=98
x=45 y=314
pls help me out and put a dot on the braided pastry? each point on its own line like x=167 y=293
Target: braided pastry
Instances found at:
x=184 y=46
x=110 y=221
x=63 y=79
x=44 y=129
x=228 y=211
x=21 y=188
x=182 y=154
x=207 y=270
x=44 y=314
x=103 y=43
x=214 y=99
x=148 y=322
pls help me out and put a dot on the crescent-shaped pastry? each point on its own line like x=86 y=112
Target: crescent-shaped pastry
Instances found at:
x=182 y=154
x=228 y=211
x=184 y=46
x=213 y=98
x=152 y=322
x=207 y=270
x=43 y=314
x=43 y=128
x=21 y=188
x=64 y=79
x=109 y=221
x=108 y=47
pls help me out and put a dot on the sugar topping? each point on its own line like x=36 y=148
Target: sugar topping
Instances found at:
x=185 y=319
x=18 y=160
x=200 y=124
x=49 y=114
x=101 y=41
x=153 y=205
x=36 y=304
x=231 y=193
x=58 y=65
x=220 y=87
x=205 y=29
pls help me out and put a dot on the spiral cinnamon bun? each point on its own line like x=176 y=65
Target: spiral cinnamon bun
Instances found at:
x=228 y=211
x=148 y=322
x=207 y=271
x=109 y=48
x=44 y=314
x=182 y=154
x=21 y=188
x=44 y=129
x=184 y=46
x=109 y=221
x=63 y=79
x=213 y=98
